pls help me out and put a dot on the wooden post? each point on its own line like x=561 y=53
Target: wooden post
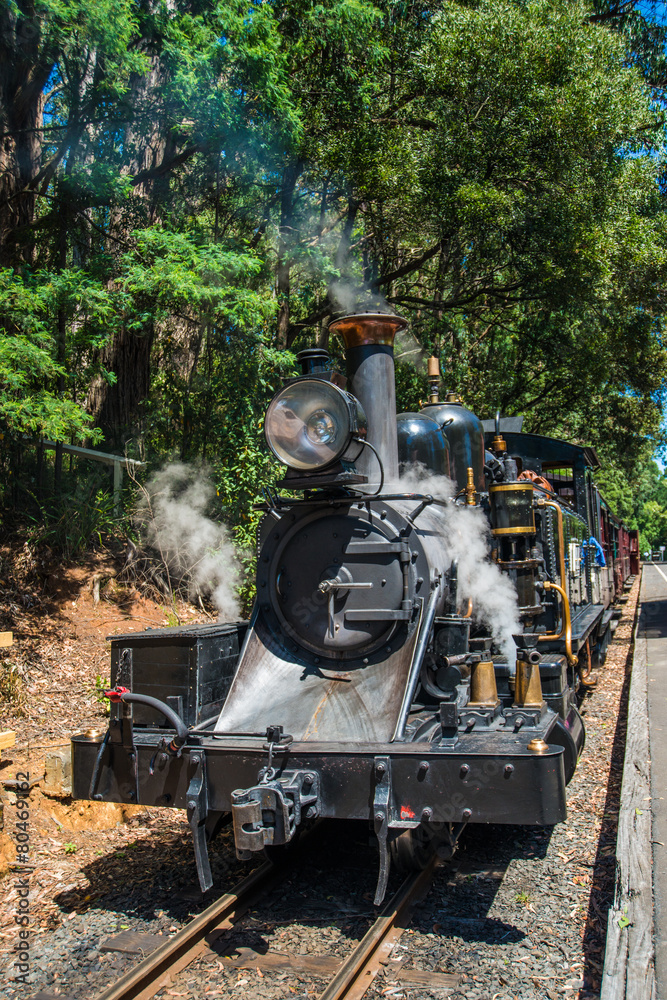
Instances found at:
x=117 y=485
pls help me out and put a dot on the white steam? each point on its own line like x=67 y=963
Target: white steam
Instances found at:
x=349 y=298
x=192 y=547
x=467 y=540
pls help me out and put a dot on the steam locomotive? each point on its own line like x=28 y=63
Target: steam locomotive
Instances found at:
x=374 y=680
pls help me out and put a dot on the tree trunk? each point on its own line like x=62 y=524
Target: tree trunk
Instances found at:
x=25 y=66
x=114 y=407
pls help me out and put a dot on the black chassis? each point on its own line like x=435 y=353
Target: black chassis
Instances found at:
x=486 y=777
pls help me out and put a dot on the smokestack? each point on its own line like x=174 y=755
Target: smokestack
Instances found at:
x=369 y=354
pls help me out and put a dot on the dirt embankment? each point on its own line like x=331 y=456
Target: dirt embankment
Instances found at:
x=51 y=679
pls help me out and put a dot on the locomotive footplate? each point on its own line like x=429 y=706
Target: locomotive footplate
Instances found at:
x=491 y=777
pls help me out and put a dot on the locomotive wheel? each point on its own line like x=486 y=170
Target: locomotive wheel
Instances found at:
x=412 y=850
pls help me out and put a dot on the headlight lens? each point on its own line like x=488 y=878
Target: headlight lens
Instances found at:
x=311 y=423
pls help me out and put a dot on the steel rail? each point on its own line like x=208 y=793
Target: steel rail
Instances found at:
x=146 y=977
x=356 y=973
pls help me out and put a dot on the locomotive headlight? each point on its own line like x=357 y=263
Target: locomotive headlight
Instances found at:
x=311 y=424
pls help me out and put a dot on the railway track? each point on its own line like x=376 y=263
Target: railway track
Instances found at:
x=350 y=981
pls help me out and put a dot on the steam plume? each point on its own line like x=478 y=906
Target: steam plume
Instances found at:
x=467 y=539
x=195 y=549
x=350 y=298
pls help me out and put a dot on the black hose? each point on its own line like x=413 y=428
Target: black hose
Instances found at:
x=380 y=487
x=170 y=715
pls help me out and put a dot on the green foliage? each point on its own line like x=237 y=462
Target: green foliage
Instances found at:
x=32 y=398
x=640 y=498
x=101 y=685
x=190 y=191
x=77 y=520
x=411 y=388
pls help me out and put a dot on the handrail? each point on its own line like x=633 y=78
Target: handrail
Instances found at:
x=567 y=623
x=561 y=538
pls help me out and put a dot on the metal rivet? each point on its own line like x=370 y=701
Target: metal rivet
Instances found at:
x=464 y=770
x=466 y=814
x=379 y=817
x=509 y=768
x=381 y=768
x=426 y=815
x=192 y=804
x=365 y=661
x=423 y=766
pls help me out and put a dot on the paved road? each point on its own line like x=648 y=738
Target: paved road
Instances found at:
x=653 y=627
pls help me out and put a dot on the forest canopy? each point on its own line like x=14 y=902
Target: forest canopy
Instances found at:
x=190 y=189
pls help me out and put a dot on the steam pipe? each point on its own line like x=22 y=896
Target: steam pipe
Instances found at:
x=369 y=355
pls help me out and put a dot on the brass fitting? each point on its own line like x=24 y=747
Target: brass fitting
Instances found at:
x=499 y=443
x=528 y=690
x=471 y=492
x=483 y=689
x=433 y=380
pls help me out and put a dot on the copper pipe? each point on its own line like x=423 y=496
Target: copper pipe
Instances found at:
x=567 y=623
x=584 y=674
x=585 y=671
x=468 y=613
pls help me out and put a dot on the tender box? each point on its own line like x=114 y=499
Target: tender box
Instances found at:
x=189 y=668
